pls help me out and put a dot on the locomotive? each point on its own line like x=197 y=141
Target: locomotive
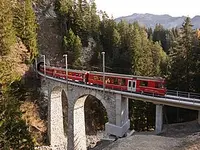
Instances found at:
x=122 y=82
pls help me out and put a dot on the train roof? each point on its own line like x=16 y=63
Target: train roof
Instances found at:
x=112 y=74
x=127 y=76
x=71 y=70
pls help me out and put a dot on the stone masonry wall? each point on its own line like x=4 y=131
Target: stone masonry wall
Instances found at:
x=75 y=118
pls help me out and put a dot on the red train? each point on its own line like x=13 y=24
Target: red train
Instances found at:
x=152 y=85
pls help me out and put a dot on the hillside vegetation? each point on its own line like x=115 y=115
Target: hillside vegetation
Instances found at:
x=18 y=47
x=129 y=48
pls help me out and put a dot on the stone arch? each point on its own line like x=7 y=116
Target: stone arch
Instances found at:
x=79 y=120
x=57 y=115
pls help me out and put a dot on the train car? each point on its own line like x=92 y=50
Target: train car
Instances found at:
x=114 y=81
x=122 y=82
x=139 y=84
x=73 y=75
x=155 y=86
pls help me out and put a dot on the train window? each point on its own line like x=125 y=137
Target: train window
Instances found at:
x=129 y=83
x=133 y=84
x=143 y=83
x=77 y=74
x=111 y=80
x=101 y=78
x=120 y=81
x=158 y=85
x=123 y=82
x=115 y=81
x=107 y=80
x=95 y=77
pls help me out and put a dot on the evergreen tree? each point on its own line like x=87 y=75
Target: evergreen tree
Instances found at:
x=150 y=33
x=7 y=35
x=64 y=9
x=187 y=38
x=95 y=20
x=121 y=62
x=162 y=35
x=25 y=26
x=136 y=48
x=181 y=56
x=77 y=50
x=73 y=46
x=108 y=37
x=13 y=130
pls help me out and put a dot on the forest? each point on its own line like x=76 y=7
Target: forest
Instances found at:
x=130 y=48
x=133 y=49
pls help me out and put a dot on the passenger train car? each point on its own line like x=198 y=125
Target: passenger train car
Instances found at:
x=139 y=84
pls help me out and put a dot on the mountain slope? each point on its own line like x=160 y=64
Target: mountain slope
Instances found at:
x=150 y=20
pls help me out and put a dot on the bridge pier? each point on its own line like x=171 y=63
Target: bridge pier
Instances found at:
x=122 y=123
x=199 y=117
x=55 y=118
x=159 y=118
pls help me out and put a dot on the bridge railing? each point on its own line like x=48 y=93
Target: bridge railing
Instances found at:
x=178 y=95
x=183 y=94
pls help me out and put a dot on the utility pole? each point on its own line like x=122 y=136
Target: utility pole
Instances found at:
x=44 y=60
x=36 y=67
x=103 y=53
x=66 y=69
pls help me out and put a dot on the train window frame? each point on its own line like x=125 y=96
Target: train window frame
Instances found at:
x=159 y=85
x=96 y=78
x=115 y=81
x=123 y=82
x=130 y=84
x=101 y=78
x=119 y=81
x=107 y=80
x=134 y=84
x=144 y=83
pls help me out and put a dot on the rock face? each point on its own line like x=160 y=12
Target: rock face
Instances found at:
x=87 y=52
x=49 y=37
x=150 y=20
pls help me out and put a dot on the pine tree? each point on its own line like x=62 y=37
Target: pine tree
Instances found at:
x=162 y=35
x=187 y=38
x=73 y=46
x=181 y=56
x=25 y=26
x=7 y=35
x=64 y=9
x=95 y=20
x=136 y=48
x=77 y=48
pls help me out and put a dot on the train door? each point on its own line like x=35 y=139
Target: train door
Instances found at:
x=131 y=85
x=85 y=79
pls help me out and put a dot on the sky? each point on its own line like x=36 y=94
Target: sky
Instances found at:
x=118 y=8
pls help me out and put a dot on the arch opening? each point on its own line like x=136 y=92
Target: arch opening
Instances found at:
x=90 y=117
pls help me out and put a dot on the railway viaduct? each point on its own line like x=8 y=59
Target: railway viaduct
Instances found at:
x=66 y=121
x=71 y=132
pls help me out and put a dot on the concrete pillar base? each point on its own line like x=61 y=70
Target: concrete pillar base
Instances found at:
x=159 y=118
x=118 y=131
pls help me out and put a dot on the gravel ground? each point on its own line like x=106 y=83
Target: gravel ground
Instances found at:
x=144 y=142
x=181 y=136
